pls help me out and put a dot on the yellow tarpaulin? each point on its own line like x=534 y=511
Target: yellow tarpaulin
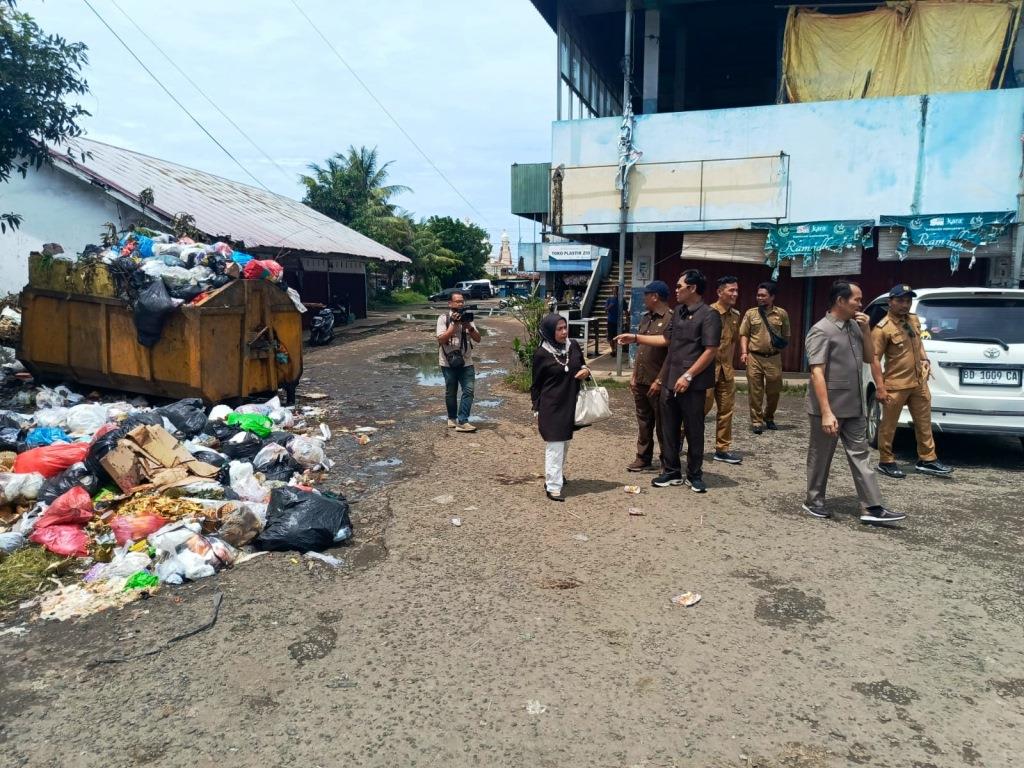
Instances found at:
x=928 y=46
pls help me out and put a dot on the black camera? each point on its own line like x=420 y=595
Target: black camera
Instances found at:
x=462 y=317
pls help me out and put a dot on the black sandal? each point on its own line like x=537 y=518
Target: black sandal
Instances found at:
x=553 y=497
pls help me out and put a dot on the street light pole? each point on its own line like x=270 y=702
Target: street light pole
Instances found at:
x=627 y=113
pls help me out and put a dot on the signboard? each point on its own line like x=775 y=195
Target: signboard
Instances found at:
x=569 y=252
x=335 y=265
x=806 y=241
x=959 y=232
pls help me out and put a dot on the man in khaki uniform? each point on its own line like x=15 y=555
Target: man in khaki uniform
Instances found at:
x=644 y=382
x=724 y=392
x=761 y=353
x=897 y=338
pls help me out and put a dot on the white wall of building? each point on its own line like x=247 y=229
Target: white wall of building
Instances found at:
x=55 y=208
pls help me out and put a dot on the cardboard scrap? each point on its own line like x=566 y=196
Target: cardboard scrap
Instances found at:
x=150 y=457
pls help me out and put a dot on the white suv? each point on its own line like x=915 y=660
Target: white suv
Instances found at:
x=974 y=338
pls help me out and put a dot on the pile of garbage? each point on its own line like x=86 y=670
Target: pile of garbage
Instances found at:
x=131 y=497
x=155 y=273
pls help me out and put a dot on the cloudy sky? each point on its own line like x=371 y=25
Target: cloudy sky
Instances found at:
x=471 y=82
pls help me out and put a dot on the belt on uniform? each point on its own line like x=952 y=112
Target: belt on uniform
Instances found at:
x=766 y=354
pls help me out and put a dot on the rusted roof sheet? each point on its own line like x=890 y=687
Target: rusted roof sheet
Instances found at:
x=222 y=208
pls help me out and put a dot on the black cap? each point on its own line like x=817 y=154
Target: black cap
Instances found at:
x=901 y=290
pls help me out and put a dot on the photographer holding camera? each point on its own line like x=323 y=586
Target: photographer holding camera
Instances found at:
x=456 y=335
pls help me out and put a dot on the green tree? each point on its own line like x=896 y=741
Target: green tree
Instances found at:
x=38 y=74
x=467 y=241
x=432 y=263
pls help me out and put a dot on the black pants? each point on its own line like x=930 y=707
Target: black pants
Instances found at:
x=685 y=412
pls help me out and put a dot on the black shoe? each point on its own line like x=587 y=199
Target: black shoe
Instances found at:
x=771 y=425
x=880 y=516
x=757 y=430
x=892 y=469
x=554 y=496
x=934 y=468
x=565 y=481
x=816 y=511
x=697 y=485
x=665 y=479
x=728 y=457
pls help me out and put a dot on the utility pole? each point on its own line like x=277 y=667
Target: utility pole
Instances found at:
x=624 y=166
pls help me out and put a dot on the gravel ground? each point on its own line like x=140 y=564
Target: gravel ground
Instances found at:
x=542 y=634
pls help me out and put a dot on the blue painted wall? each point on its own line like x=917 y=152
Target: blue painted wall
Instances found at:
x=943 y=153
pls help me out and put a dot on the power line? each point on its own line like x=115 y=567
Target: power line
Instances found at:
x=386 y=112
x=202 y=93
x=172 y=96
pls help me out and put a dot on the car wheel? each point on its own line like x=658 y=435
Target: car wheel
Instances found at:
x=874 y=419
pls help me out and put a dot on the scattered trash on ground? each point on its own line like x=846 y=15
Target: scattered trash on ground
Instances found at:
x=457 y=521
x=560 y=583
x=636 y=512
x=634 y=489
x=445 y=499
x=686 y=599
x=113 y=500
x=581 y=537
x=534 y=707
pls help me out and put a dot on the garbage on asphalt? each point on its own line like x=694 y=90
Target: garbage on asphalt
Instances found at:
x=103 y=502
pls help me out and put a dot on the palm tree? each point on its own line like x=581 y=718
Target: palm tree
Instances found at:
x=352 y=188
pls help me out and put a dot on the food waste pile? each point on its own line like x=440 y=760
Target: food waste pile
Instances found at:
x=101 y=502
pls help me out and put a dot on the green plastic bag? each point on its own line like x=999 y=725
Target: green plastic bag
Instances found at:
x=141 y=580
x=256 y=423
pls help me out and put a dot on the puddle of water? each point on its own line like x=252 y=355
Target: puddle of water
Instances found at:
x=428 y=372
x=491 y=372
x=433 y=379
x=387 y=463
x=473 y=418
x=419 y=316
x=486 y=403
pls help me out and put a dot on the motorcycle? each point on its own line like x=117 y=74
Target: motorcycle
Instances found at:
x=322 y=329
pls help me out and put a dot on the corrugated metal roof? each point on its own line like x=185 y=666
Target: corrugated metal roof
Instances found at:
x=222 y=208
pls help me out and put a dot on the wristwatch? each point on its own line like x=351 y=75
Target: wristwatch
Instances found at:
x=687 y=376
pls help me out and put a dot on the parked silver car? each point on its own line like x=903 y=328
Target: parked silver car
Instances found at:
x=975 y=340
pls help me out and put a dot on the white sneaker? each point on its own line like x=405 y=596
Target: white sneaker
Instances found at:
x=452 y=424
x=467 y=427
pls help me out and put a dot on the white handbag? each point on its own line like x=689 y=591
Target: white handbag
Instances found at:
x=591 y=404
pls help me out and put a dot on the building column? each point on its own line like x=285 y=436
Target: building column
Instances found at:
x=652 y=58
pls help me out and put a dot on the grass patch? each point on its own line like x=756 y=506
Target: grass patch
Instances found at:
x=612 y=383
x=520 y=379
x=399 y=298
x=797 y=389
x=27 y=572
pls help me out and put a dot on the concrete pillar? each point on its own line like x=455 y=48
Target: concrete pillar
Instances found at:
x=652 y=58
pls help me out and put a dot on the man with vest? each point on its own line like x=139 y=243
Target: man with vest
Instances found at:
x=644 y=382
x=897 y=339
x=764 y=333
x=837 y=347
x=723 y=393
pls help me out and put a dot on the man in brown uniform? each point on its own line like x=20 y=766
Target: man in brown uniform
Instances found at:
x=644 y=383
x=724 y=391
x=897 y=338
x=764 y=333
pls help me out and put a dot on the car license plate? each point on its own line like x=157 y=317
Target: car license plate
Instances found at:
x=990 y=377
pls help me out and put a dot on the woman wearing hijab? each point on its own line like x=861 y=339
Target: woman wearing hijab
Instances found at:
x=558 y=368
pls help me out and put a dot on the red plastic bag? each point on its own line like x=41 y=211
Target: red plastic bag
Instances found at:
x=267 y=269
x=73 y=508
x=50 y=460
x=67 y=540
x=108 y=427
x=135 y=528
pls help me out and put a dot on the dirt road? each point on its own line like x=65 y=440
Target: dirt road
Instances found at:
x=541 y=634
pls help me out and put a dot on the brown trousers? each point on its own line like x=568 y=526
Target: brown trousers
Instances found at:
x=648 y=421
x=724 y=395
x=919 y=401
x=764 y=382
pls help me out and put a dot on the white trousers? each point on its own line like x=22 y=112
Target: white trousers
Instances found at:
x=554 y=460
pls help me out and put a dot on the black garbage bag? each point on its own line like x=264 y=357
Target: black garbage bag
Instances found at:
x=151 y=310
x=281 y=438
x=242 y=447
x=76 y=474
x=212 y=458
x=12 y=439
x=147 y=418
x=219 y=281
x=11 y=420
x=185 y=292
x=220 y=430
x=187 y=416
x=304 y=521
x=100 y=447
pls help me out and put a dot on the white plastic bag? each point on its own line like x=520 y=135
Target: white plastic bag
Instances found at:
x=53 y=416
x=124 y=564
x=220 y=413
x=283 y=418
x=270 y=454
x=172 y=536
x=308 y=451
x=245 y=484
x=16 y=488
x=86 y=419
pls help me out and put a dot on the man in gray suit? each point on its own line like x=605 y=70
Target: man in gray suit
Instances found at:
x=837 y=346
